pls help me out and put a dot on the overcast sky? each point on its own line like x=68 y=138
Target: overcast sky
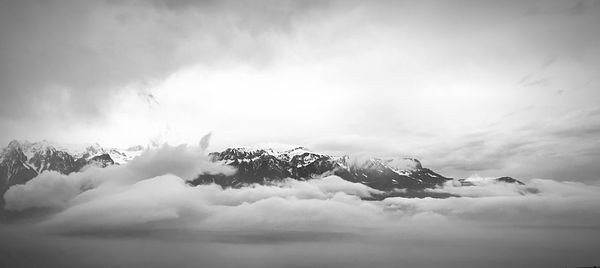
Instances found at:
x=490 y=88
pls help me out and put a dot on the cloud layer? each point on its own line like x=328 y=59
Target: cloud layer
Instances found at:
x=146 y=210
x=150 y=193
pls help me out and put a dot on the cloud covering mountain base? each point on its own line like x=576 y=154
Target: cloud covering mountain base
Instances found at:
x=148 y=205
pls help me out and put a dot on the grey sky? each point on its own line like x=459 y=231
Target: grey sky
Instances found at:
x=492 y=88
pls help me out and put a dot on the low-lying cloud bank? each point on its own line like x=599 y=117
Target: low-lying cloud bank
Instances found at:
x=151 y=193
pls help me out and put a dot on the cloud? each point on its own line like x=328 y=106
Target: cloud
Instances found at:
x=168 y=202
x=205 y=141
x=82 y=57
x=49 y=189
x=560 y=147
x=540 y=202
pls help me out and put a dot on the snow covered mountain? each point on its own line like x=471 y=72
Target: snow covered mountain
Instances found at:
x=21 y=161
x=266 y=165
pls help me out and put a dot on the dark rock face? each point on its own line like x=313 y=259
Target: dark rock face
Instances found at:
x=102 y=160
x=376 y=174
x=464 y=182
x=264 y=166
x=52 y=159
x=510 y=180
x=13 y=167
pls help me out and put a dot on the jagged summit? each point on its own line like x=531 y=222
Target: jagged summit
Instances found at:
x=264 y=165
x=299 y=150
x=21 y=161
x=396 y=176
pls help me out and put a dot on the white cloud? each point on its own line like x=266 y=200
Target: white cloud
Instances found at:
x=49 y=189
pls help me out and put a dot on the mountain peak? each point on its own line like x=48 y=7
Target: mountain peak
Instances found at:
x=14 y=144
x=299 y=151
x=299 y=148
x=21 y=161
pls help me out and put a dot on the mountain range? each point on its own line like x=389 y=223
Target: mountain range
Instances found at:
x=22 y=161
x=403 y=177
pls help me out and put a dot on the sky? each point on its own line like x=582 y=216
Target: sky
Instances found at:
x=491 y=88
